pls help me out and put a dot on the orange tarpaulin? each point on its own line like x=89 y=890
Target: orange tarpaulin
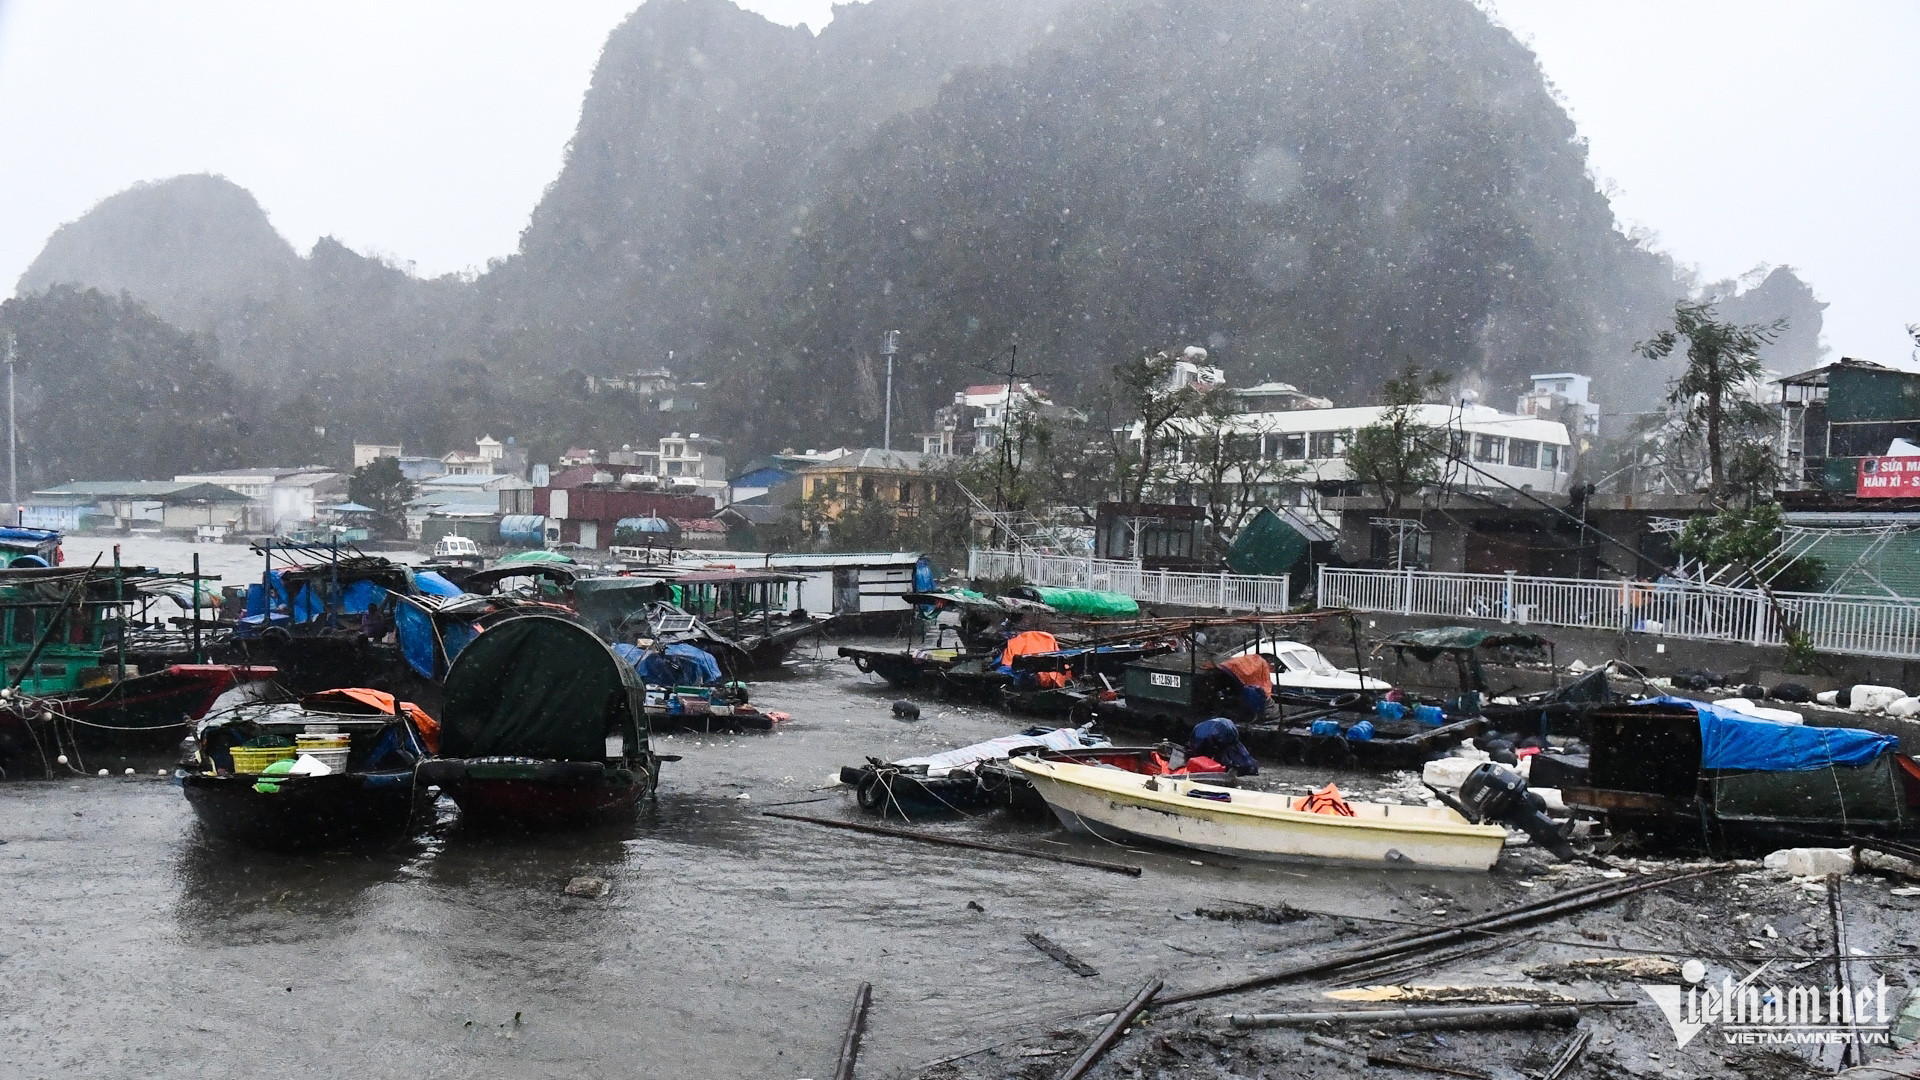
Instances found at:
x=381 y=701
x=1251 y=670
x=1031 y=641
x=1325 y=801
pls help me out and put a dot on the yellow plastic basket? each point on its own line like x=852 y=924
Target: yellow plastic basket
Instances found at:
x=256 y=759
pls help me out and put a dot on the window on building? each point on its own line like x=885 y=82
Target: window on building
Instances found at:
x=905 y=492
x=1293 y=447
x=866 y=487
x=1324 y=444
x=1457 y=445
x=1489 y=449
x=1523 y=454
x=1550 y=457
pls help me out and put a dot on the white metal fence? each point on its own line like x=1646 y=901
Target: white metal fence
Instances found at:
x=1862 y=625
x=1229 y=592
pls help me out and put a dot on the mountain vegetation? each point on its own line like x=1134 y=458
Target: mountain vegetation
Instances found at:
x=1317 y=193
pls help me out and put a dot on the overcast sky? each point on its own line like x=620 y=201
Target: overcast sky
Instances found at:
x=1739 y=132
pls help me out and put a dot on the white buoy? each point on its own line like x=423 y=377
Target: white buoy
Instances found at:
x=103 y=772
x=129 y=772
x=159 y=772
x=62 y=759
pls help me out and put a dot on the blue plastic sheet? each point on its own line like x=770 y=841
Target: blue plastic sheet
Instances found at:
x=680 y=665
x=415 y=630
x=457 y=637
x=1731 y=740
x=433 y=584
x=360 y=596
x=307 y=605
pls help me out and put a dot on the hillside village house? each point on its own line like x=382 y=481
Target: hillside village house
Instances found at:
x=901 y=479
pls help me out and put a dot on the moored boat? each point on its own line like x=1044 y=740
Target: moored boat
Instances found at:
x=1115 y=805
x=544 y=727
x=245 y=789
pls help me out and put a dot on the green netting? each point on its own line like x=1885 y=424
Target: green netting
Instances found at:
x=539 y=687
x=1089 y=602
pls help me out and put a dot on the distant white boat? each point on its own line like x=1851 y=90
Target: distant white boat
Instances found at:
x=1301 y=669
x=457 y=549
x=1117 y=805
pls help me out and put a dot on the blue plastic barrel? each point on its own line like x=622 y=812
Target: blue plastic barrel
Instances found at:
x=1389 y=710
x=1361 y=732
x=1325 y=727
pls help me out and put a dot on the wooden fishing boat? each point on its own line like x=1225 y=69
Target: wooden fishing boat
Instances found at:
x=375 y=795
x=72 y=687
x=545 y=727
x=1118 y=805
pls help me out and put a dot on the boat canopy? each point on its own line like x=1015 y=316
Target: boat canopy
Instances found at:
x=536 y=555
x=1731 y=740
x=679 y=664
x=538 y=686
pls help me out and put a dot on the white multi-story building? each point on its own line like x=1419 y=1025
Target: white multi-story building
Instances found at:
x=1562 y=396
x=1490 y=448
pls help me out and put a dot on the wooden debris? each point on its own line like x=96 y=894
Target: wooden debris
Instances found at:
x=1602 y=968
x=1569 y=1054
x=955 y=841
x=1073 y=963
x=1449 y=1017
x=856 y=1026
x=1402 y=1061
x=1854 y=1051
x=1418 y=941
x=1109 y=1035
x=1253 y=913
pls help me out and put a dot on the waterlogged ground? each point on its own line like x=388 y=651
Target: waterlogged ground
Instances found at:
x=730 y=944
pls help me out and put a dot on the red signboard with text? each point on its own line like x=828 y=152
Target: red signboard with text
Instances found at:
x=1889 y=478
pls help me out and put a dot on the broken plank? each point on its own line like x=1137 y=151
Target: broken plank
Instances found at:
x=1073 y=963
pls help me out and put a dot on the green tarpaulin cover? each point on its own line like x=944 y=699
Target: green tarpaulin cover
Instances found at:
x=538 y=687
x=537 y=555
x=1086 y=601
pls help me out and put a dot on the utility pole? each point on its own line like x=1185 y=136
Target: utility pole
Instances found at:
x=13 y=440
x=889 y=345
x=1014 y=377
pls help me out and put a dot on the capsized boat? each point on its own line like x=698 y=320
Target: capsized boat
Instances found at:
x=276 y=800
x=544 y=727
x=1117 y=805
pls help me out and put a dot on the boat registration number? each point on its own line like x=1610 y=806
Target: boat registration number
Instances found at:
x=1164 y=680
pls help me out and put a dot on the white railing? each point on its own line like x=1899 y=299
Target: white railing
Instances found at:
x=1228 y=592
x=1860 y=625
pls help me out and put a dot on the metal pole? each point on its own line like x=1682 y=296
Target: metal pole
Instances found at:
x=196 y=609
x=13 y=440
x=889 y=345
x=119 y=600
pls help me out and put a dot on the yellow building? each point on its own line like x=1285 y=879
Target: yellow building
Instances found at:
x=903 y=479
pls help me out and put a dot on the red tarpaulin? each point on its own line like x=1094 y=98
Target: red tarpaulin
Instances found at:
x=1889 y=478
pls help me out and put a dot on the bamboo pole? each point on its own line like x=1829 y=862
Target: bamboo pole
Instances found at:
x=954 y=841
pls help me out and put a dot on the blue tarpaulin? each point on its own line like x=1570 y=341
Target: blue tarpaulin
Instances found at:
x=415 y=630
x=360 y=596
x=457 y=637
x=681 y=665
x=1732 y=740
x=433 y=584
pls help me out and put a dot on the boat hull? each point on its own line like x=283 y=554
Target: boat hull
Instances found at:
x=1125 y=809
x=540 y=795
x=138 y=716
x=310 y=811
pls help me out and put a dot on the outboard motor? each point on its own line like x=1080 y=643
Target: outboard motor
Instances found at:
x=1494 y=793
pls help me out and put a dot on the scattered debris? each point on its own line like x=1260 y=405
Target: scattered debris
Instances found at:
x=1261 y=913
x=1451 y=995
x=1810 y=862
x=1110 y=1034
x=906 y=710
x=1569 y=1054
x=1404 y=1061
